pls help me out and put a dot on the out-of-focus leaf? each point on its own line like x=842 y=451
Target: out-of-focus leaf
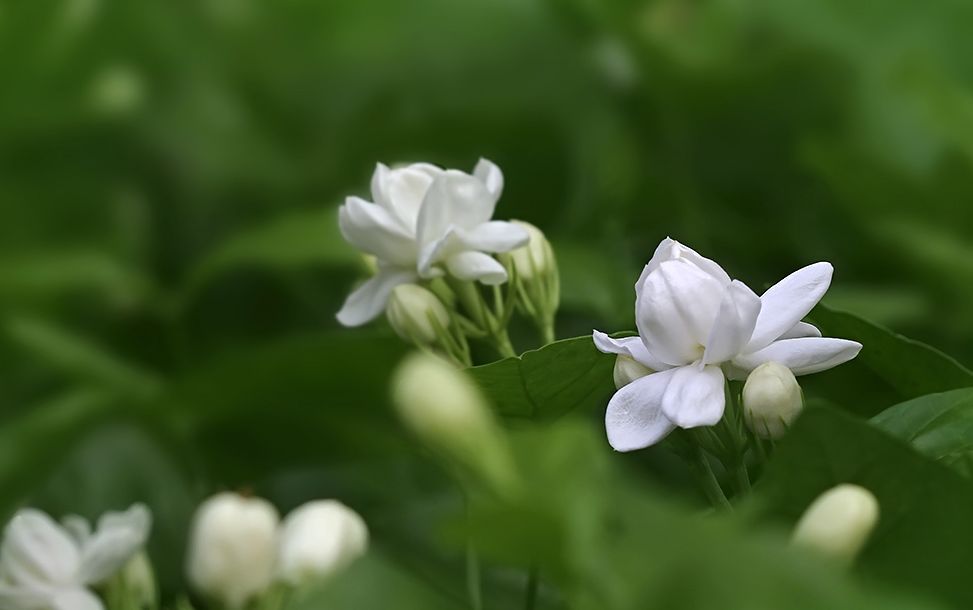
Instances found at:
x=80 y=359
x=911 y=368
x=54 y=274
x=937 y=425
x=372 y=582
x=115 y=467
x=593 y=283
x=922 y=539
x=295 y=401
x=297 y=239
x=610 y=544
x=33 y=443
x=564 y=376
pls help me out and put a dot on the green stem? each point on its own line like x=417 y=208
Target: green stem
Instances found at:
x=533 y=584
x=711 y=486
x=473 y=584
x=547 y=331
x=501 y=340
x=743 y=478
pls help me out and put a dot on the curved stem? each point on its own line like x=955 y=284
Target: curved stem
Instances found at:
x=711 y=486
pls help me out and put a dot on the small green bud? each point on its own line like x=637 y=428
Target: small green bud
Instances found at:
x=536 y=279
x=416 y=314
x=536 y=259
x=838 y=522
x=628 y=370
x=772 y=400
x=444 y=408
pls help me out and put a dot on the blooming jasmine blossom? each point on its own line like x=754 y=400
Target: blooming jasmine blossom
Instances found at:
x=696 y=328
x=426 y=222
x=45 y=565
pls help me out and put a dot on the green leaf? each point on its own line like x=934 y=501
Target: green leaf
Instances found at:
x=301 y=238
x=80 y=359
x=909 y=367
x=53 y=274
x=937 y=425
x=922 y=539
x=608 y=543
x=34 y=443
x=564 y=376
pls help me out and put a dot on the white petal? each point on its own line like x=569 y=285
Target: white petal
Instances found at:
x=476 y=266
x=369 y=299
x=491 y=176
x=670 y=250
x=118 y=538
x=802 y=356
x=734 y=323
x=75 y=599
x=379 y=186
x=371 y=229
x=695 y=396
x=801 y=329
x=78 y=527
x=789 y=300
x=22 y=598
x=454 y=199
x=493 y=236
x=628 y=346
x=37 y=552
x=634 y=419
x=405 y=188
x=675 y=310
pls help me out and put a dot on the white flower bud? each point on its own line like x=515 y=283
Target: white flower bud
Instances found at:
x=318 y=539
x=838 y=522
x=772 y=400
x=232 y=548
x=411 y=311
x=628 y=370
x=445 y=409
x=534 y=259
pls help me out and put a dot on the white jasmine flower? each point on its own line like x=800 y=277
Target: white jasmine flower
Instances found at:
x=232 y=548
x=425 y=222
x=47 y=566
x=318 y=539
x=838 y=522
x=696 y=327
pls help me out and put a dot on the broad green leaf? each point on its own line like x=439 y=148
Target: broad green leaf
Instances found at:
x=53 y=274
x=309 y=237
x=80 y=359
x=909 y=367
x=937 y=425
x=32 y=444
x=556 y=379
x=608 y=543
x=922 y=539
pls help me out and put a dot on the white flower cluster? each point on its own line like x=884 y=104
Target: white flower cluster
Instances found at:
x=49 y=565
x=239 y=547
x=698 y=327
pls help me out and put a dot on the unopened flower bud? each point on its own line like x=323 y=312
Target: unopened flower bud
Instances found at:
x=318 y=539
x=772 y=400
x=232 y=548
x=137 y=581
x=445 y=409
x=838 y=522
x=628 y=370
x=536 y=258
x=416 y=314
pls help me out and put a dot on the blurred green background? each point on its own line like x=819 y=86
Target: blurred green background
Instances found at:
x=170 y=172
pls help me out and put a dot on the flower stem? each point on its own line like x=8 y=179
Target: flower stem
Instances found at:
x=711 y=486
x=501 y=340
x=547 y=332
x=533 y=584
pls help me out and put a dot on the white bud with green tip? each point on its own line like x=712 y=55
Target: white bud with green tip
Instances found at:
x=839 y=522
x=628 y=370
x=444 y=408
x=772 y=400
x=416 y=314
x=536 y=276
x=318 y=540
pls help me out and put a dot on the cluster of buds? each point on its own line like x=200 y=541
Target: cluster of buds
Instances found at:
x=239 y=548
